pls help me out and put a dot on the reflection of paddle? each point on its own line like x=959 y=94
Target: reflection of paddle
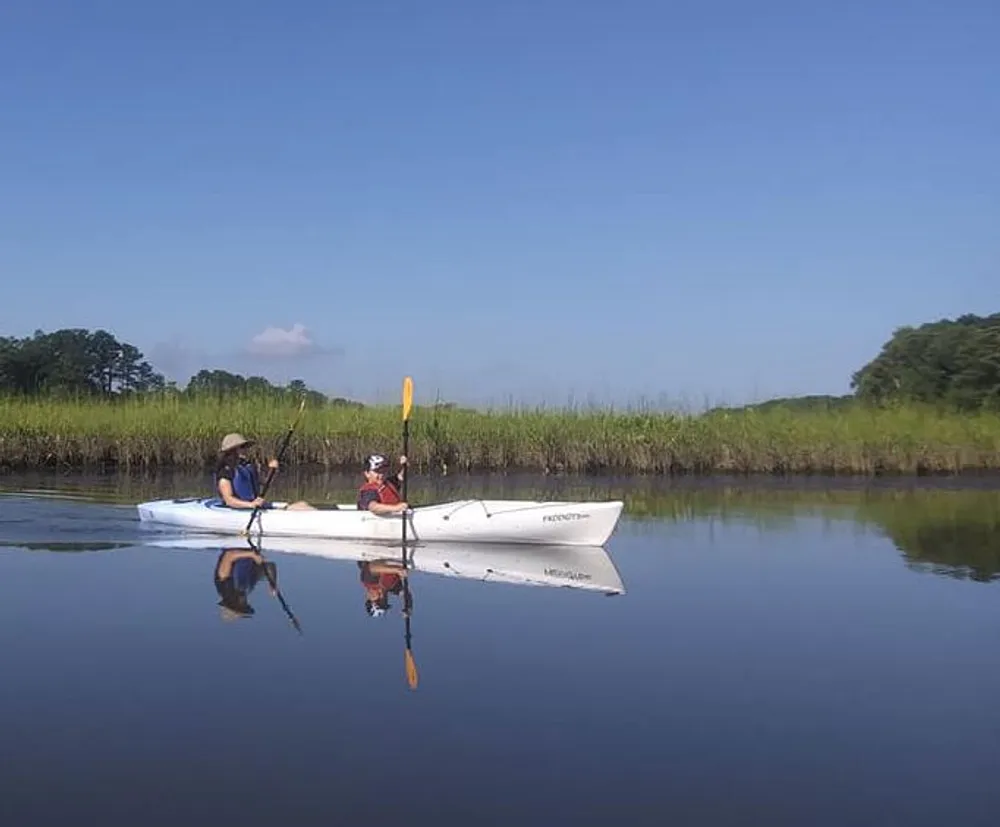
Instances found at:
x=411 y=666
x=277 y=592
x=281 y=456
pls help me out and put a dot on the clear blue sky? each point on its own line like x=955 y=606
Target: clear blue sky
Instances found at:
x=683 y=201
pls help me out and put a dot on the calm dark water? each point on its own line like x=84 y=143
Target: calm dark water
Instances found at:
x=781 y=655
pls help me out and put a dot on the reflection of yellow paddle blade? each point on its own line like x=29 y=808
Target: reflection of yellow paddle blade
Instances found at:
x=411 y=670
x=407 y=397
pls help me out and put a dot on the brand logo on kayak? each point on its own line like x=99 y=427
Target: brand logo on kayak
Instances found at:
x=566 y=515
x=566 y=574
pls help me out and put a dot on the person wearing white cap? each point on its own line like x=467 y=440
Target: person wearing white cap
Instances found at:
x=237 y=480
x=380 y=491
x=380 y=578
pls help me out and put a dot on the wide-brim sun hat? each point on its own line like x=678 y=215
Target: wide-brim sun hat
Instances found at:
x=229 y=614
x=232 y=441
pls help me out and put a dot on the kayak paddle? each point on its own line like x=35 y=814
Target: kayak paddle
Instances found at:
x=277 y=592
x=407 y=407
x=281 y=455
x=411 y=666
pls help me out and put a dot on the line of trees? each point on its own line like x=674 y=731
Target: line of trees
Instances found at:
x=224 y=383
x=955 y=362
x=75 y=361
x=952 y=362
x=79 y=362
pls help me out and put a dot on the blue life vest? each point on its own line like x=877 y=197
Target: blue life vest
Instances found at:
x=246 y=484
x=244 y=575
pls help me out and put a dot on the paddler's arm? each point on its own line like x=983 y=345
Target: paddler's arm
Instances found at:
x=388 y=567
x=384 y=508
x=272 y=581
x=402 y=470
x=229 y=498
x=367 y=501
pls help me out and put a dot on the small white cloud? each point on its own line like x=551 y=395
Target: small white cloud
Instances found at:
x=276 y=341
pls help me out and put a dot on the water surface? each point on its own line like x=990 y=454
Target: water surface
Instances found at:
x=781 y=654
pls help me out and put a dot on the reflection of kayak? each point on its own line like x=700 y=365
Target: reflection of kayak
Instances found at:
x=466 y=521
x=577 y=567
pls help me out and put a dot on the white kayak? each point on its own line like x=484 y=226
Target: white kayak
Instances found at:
x=464 y=521
x=588 y=568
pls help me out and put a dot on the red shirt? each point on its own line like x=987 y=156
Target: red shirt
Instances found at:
x=383 y=492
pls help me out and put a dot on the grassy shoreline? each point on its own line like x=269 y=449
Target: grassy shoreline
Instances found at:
x=161 y=432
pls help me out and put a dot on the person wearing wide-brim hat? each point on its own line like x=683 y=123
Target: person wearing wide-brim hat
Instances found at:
x=237 y=480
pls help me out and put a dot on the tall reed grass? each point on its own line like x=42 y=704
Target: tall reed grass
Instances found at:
x=158 y=432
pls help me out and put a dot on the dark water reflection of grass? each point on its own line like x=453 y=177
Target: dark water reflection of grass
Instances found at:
x=950 y=530
x=953 y=532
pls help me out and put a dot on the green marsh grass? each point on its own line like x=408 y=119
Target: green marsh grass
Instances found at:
x=164 y=432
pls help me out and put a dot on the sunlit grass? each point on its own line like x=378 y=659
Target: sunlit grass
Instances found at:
x=176 y=432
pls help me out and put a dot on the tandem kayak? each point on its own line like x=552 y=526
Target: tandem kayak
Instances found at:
x=588 y=568
x=465 y=521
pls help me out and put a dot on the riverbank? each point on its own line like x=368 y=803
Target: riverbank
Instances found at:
x=183 y=433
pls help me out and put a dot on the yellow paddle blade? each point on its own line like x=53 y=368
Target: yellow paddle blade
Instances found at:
x=411 y=670
x=407 y=397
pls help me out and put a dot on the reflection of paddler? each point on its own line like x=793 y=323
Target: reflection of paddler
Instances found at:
x=380 y=579
x=237 y=572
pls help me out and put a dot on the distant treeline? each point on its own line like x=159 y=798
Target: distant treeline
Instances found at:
x=79 y=362
x=815 y=402
x=952 y=363
x=949 y=363
x=955 y=362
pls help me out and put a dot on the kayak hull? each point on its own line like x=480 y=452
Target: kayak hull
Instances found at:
x=465 y=521
x=587 y=568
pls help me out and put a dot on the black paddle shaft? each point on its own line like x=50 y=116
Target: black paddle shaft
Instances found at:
x=406 y=453
x=281 y=456
x=406 y=476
